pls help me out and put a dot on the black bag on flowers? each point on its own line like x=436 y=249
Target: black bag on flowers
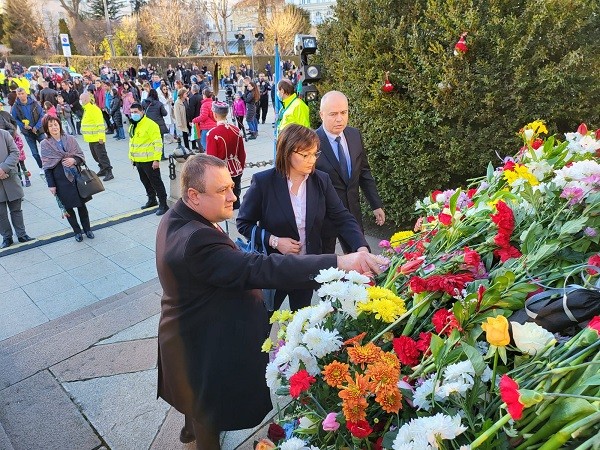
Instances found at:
x=252 y=246
x=559 y=309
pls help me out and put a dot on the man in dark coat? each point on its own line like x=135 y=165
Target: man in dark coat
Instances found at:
x=213 y=321
x=344 y=159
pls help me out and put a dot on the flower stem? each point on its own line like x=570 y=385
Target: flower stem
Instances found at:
x=494 y=369
x=557 y=394
x=490 y=431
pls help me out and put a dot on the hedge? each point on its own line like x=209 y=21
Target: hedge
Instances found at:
x=449 y=115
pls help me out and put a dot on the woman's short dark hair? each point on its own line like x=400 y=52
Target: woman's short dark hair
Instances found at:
x=293 y=138
x=46 y=121
x=152 y=94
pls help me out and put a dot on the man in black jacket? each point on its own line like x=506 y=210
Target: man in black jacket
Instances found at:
x=193 y=110
x=264 y=87
x=344 y=159
x=71 y=97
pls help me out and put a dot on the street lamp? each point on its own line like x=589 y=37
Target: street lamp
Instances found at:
x=258 y=37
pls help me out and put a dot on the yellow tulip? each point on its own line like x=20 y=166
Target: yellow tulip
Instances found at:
x=496 y=331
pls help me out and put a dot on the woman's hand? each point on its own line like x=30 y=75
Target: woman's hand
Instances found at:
x=288 y=246
x=52 y=190
x=69 y=162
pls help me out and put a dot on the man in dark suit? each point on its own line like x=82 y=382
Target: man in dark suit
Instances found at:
x=344 y=159
x=213 y=321
x=192 y=110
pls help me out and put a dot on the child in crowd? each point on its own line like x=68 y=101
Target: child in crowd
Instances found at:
x=24 y=174
x=63 y=110
x=50 y=109
x=239 y=111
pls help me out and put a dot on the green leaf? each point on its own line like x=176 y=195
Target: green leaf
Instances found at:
x=475 y=357
x=573 y=226
x=437 y=343
x=453 y=201
x=592 y=381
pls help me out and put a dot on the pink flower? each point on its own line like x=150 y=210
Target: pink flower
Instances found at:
x=384 y=244
x=573 y=194
x=330 y=423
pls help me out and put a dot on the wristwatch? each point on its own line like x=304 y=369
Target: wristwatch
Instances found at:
x=274 y=241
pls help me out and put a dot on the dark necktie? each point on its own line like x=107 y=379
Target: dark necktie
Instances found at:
x=342 y=159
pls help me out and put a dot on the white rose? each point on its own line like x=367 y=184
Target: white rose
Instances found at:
x=530 y=337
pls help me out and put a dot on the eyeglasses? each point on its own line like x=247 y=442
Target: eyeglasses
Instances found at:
x=306 y=156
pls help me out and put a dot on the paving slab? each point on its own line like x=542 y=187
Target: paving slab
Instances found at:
x=18 y=313
x=107 y=360
x=112 y=284
x=145 y=329
x=8 y=282
x=57 y=305
x=132 y=257
x=145 y=270
x=36 y=272
x=94 y=270
x=168 y=435
x=82 y=255
x=122 y=408
x=5 y=443
x=13 y=263
x=62 y=247
x=36 y=413
x=60 y=283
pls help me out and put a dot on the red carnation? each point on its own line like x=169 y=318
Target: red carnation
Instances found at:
x=507 y=252
x=594 y=324
x=446 y=219
x=424 y=342
x=472 y=258
x=406 y=349
x=445 y=321
x=598 y=134
x=417 y=285
x=434 y=194
x=509 y=165
x=509 y=391
x=360 y=429
x=582 y=129
x=300 y=382
x=593 y=261
x=537 y=144
x=275 y=432
x=449 y=283
x=471 y=192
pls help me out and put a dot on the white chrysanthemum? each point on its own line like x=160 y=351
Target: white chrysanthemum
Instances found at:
x=454 y=387
x=348 y=306
x=319 y=312
x=273 y=376
x=301 y=353
x=462 y=372
x=321 y=342
x=357 y=293
x=355 y=277
x=576 y=172
x=427 y=432
x=423 y=394
x=539 y=168
x=328 y=275
x=295 y=327
x=293 y=444
x=334 y=290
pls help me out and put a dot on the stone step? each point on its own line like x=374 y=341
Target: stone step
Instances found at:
x=76 y=332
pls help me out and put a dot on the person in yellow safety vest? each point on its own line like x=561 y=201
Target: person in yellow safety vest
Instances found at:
x=22 y=82
x=92 y=128
x=145 y=151
x=294 y=109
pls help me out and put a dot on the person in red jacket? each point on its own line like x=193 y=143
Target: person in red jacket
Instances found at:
x=225 y=141
x=205 y=121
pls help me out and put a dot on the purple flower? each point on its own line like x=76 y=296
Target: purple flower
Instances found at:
x=573 y=194
x=384 y=244
x=590 y=232
x=592 y=179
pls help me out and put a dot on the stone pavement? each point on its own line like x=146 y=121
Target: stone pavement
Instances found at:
x=78 y=323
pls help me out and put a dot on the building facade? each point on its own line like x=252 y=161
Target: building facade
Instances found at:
x=319 y=10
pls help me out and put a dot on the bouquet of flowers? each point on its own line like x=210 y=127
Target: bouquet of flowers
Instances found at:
x=426 y=355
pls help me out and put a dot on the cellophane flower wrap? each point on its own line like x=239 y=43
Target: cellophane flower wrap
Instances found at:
x=425 y=356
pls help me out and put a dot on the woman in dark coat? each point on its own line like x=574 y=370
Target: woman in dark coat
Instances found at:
x=115 y=113
x=60 y=156
x=251 y=98
x=156 y=111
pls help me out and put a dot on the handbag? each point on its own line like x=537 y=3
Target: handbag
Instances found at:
x=87 y=181
x=252 y=246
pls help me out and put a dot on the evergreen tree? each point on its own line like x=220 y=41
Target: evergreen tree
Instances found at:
x=115 y=9
x=136 y=5
x=63 y=28
x=449 y=115
x=23 y=32
x=2 y=19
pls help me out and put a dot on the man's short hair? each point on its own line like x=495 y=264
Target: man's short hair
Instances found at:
x=195 y=88
x=136 y=105
x=20 y=90
x=286 y=86
x=193 y=172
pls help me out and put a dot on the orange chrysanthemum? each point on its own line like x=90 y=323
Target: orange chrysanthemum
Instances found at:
x=335 y=373
x=364 y=354
x=356 y=339
x=382 y=375
x=355 y=409
x=390 y=359
x=355 y=389
x=390 y=399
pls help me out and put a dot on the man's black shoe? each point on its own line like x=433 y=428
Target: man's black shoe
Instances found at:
x=25 y=238
x=101 y=173
x=78 y=237
x=6 y=243
x=109 y=176
x=150 y=203
x=90 y=234
x=186 y=437
x=161 y=210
